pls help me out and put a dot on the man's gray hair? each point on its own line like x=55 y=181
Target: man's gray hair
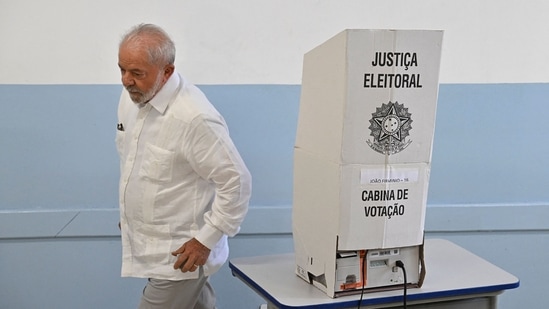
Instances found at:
x=155 y=40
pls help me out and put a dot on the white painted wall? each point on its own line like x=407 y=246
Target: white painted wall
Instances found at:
x=263 y=42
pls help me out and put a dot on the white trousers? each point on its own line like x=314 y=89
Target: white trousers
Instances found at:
x=184 y=294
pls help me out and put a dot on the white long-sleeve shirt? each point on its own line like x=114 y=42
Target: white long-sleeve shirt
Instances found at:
x=180 y=177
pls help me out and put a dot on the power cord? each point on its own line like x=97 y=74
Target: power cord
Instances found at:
x=399 y=264
x=363 y=258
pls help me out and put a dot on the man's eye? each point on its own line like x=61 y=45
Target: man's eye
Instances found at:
x=138 y=74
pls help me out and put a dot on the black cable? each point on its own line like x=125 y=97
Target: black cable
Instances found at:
x=363 y=278
x=401 y=265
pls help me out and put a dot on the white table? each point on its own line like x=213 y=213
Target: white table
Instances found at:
x=456 y=278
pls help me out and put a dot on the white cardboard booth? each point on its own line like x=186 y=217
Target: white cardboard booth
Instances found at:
x=362 y=158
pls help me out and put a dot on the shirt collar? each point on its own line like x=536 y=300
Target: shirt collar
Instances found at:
x=163 y=97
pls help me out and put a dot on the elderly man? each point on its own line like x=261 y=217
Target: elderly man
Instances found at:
x=183 y=186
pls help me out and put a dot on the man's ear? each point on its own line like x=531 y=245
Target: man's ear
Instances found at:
x=168 y=71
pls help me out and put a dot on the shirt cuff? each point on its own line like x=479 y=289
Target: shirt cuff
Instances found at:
x=209 y=236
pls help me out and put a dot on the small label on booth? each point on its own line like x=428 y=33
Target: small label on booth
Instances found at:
x=388 y=175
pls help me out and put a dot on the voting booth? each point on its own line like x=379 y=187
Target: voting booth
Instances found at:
x=362 y=159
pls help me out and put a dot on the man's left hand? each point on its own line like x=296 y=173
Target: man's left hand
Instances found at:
x=191 y=256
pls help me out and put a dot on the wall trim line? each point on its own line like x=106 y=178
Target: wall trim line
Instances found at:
x=273 y=220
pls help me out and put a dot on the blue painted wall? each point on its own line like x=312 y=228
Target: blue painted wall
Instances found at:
x=491 y=145
x=58 y=150
x=59 y=245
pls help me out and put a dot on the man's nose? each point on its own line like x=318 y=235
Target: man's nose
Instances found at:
x=127 y=80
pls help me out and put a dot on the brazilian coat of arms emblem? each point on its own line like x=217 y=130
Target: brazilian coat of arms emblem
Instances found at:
x=390 y=126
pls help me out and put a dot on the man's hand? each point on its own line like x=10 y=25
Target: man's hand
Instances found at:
x=190 y=256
